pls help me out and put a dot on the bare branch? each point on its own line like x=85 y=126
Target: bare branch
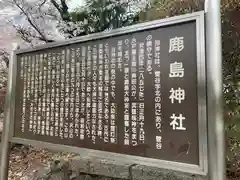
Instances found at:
x=56 y=5
x=26 y=36
x=63 y=9
x=42 y=37
x=64 y=6
x=44 y=1
x=28 y=18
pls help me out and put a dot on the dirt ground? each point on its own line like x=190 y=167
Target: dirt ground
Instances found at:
x=24 y=161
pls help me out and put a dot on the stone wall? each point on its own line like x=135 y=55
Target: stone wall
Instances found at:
x=61 y=170
x=86 y=168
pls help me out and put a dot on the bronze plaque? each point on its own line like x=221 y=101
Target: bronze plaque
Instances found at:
x=132 y=94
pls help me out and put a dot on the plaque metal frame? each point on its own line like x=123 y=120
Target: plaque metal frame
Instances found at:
x=201 y=169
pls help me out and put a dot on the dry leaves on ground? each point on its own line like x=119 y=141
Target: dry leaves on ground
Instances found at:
x=24 y=161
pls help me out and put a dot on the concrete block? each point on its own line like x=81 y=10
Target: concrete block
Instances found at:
x=80 y=164
x=110 y=168
x=93 y=165
x=140 y=172
x=124 y=170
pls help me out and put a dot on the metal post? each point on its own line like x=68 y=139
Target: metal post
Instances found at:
x=7 y=117
x=216 y=145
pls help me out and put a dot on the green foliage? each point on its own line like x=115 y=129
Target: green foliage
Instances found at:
x=166 y=8
x=98 y=16
x=231 y=76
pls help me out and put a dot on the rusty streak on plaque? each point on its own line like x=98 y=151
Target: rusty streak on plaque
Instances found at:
x=132 y=94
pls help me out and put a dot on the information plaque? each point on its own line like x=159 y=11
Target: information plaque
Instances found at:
x=136 y=92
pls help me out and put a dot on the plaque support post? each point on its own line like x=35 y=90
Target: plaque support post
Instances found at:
x=8 y=115
x=216 y=145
